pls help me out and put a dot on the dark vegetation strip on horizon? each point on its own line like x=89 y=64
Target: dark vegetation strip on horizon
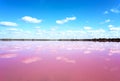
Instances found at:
x=94 y=39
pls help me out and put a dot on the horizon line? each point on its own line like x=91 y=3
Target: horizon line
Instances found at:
x=92 y=39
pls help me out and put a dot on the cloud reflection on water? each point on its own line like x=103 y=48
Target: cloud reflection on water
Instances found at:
x=68 y=61
x=31 y=60
x=8 y=55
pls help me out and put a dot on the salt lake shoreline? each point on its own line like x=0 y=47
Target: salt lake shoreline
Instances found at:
x=94 y=39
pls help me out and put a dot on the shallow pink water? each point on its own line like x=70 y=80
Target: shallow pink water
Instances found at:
x=59 y=61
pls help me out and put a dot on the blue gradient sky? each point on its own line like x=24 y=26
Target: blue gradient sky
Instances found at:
x=59 y=18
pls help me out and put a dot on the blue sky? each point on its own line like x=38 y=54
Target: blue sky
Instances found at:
x=59 y=18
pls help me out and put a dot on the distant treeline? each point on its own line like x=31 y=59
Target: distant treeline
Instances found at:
x=94 y=39
x=104 y=39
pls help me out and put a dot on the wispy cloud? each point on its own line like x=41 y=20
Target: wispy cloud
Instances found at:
x=107 y=21
x=13 y=29
x=87 y=28
x=65 y=20
x=6 y=23
x=110 y=26
x=37 y=27
x=85 y=32
x=112 y=10
x=31 y=19
x=115 y=10
x=113 y=28
x=106 y=12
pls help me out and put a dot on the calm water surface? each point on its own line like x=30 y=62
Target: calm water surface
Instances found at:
x=59 y=61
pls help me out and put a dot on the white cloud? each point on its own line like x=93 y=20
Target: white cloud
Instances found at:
x=6 y=23
x=65 y=20
x=113 y=28
x=98 y=33
x=31 y=19
x=106 y=12
x=115 y=10
x=70 y=18
x=87 y=28
x=13 y=29
x=37 y=27
x=107 y=21
x=110 y=26
x=60 y=21
x=85 y=32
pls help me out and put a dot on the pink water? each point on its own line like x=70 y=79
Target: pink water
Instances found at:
x=59 y=61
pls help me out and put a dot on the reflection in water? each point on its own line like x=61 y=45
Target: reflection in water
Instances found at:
x=7 y=55
x=65 y=59
x=59 y=61
x=31 y=60
x=87 y=52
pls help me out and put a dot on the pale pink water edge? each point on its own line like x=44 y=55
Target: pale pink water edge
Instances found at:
x=59 y=61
